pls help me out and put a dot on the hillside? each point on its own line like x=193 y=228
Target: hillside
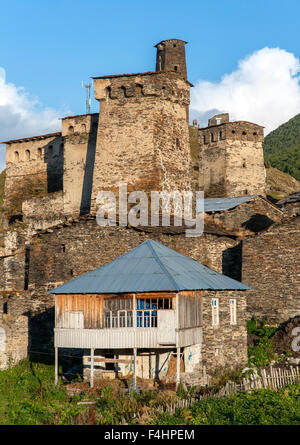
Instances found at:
x=282 y=147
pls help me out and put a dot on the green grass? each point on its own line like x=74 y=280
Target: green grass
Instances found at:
x=28 y=397
x=262 y=407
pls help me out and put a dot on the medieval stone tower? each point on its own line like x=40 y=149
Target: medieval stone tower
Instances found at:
x=143 y=135
x=171 y=56
x=231 y=158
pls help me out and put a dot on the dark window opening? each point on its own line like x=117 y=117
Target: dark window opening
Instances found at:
x=244 y=164
x=212 y=137
x=255 y=134
x=175 y=67
x=26 y=275
x=63 y=247
x=5 y=308
x=174 y=46
x=71 y=272
x=244 y=133
x=221 y=135
x=233 y=132
x=177 y=143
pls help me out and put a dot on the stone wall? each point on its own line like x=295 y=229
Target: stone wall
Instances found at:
x=225 y=345
x=231 y=159
x=143 y=136
x=82 y=246
x=26 y=325
x=271 y=265
x=34 y=167
x=42 y=213
x=254 y=215
x=79 y=134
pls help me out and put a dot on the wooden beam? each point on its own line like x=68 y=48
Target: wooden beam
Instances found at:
x=56 y=366
x=110 y=360
x=92 y=368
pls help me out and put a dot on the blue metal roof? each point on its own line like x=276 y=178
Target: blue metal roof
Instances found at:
x=149 y=267
x=219 y=204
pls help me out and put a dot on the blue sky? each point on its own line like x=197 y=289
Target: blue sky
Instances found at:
x=49 y=47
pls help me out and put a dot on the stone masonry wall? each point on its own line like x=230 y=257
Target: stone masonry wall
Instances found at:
x=72 y=250
x=143 y=136
x=80 y=134
x=225 y=345
x=34 y=167
x=271 y=265
x=231 y=160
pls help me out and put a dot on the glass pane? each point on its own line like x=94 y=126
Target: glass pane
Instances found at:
x=166 y=303
x=147 y=303
x=160 y=303
x=147 y=319
x=122 y=305
x=128 y=304
x=129 y=319
x=139 y=319
x=122 y=319
x=114 y=321
x=107 y=319
x=154 y=319
x=154 y=303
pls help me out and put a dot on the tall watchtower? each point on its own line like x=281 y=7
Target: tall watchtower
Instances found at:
x=231 y=161
x=171 y=56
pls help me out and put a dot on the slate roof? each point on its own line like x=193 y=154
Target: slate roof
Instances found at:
x=149 y=267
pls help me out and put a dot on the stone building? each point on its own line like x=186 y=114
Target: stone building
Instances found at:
x=140 y=137
x=231 y=159
x=147 y=305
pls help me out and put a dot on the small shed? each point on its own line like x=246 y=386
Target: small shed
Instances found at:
x=148 y=300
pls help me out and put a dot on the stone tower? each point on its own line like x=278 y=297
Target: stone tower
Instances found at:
x=143 y=135
x=231 y=159
x=171 y=56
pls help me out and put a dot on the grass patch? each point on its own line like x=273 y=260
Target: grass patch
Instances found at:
x=262 y=407
x=28 y=397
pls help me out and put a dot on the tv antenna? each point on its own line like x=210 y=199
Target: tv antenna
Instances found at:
x=88 y=103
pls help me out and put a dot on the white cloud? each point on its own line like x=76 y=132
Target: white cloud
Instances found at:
x=22 y=116
x=264 y=89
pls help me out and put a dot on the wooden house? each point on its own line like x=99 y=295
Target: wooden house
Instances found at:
x=148 y=303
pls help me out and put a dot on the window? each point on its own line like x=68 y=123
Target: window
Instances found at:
x=221 y=135
x=232 y=311
x=204 y=139
x=40 y=153
x=244 y=133
x=177 y=143
x=83 y=128
x=27 y=155
x=218 y=121
x=17 y=157
x=212 y=137
x=118 y=313
x=254 y=134
x=175 y=68
x=5 y=308
x=50 y=151
x=71 y=129
x=147 y=310
x=215 y=311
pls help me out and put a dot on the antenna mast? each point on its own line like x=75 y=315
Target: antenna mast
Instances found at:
x=88 y=104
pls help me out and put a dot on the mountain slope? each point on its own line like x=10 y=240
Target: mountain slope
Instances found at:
x=282 y=147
